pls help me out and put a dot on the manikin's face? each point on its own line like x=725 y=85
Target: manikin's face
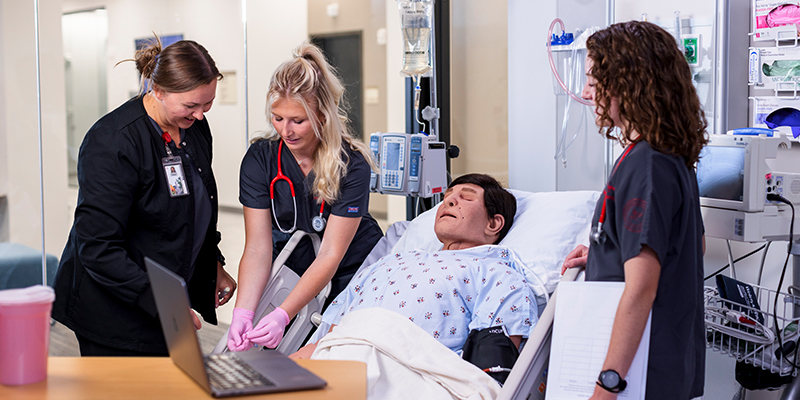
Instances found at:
x=291 y=121
x=182 y=109
x=589 y=92
x=462 y=217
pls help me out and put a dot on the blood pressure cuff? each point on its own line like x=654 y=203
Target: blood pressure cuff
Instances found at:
x=491 y=347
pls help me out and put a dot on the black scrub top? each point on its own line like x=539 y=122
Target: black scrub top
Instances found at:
x=124 y=213
x=259 y=168
x=652 y=198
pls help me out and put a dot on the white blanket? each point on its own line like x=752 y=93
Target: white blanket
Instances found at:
x=403 y=361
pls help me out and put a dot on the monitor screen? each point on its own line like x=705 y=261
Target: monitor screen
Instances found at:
x=720 y=172
x=393 y=157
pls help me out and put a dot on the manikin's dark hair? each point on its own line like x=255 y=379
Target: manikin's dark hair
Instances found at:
x=496 y=199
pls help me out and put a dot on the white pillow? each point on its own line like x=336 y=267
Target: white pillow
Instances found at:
x=546 y=228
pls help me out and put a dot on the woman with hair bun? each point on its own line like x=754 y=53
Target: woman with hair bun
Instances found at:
x=329 y=171
x=146 y=189
x=647 y=229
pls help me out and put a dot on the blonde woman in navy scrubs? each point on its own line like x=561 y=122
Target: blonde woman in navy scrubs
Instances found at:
x=307 y=174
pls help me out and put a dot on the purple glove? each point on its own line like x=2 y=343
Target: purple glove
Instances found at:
x=241 y=323
x=269 y=330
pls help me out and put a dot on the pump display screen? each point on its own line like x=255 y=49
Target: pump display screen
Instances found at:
x=393 y=156
x=720 y=172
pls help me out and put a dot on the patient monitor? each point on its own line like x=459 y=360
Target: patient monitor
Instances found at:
x=735 y=174
x=409 y=164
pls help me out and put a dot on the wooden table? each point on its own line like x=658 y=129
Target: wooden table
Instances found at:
x=104 y=378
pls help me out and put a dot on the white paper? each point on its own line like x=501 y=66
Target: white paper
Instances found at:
x=584 y=317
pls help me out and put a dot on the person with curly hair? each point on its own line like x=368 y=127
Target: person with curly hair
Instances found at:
x=647 y=226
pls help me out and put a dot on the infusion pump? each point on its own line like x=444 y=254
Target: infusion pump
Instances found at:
x=408 y=164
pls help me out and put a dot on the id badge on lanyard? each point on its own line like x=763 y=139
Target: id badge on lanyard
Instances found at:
x=173 y=170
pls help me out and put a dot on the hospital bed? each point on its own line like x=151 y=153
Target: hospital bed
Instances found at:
x=546 y=227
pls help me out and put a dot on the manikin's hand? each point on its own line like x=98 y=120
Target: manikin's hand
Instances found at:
x=269 y=330
x=241 y=323
x=576 y=258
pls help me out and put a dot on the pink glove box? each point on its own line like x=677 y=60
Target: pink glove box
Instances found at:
x=24 y=334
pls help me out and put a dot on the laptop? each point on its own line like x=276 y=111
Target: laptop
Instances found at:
x=221 y=375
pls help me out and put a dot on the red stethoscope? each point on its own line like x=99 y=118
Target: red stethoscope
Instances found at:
x=318 y=222
x=598 y=236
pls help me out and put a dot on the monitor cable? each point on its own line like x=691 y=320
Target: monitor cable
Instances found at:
x=779 y=334
x=719 y=271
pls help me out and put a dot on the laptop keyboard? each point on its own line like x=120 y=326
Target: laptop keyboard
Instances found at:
x=226 y=372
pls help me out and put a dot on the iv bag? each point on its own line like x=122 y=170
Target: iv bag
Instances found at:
x=416 y=19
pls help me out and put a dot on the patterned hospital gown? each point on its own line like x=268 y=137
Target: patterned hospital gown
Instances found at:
x=447 y=293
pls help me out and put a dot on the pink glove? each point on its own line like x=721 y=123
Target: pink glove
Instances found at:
x=241 y=323
x=269 y=330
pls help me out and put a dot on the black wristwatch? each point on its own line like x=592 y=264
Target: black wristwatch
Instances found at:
x=611 y=381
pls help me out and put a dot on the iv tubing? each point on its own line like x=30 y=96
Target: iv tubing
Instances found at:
x=573 y=80
x=553 y=65
x=417 y=92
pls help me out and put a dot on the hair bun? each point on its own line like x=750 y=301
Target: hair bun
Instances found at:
x=147 y=58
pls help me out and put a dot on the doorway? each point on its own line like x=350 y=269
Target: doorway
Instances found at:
x=84 y=36
x=344 y=52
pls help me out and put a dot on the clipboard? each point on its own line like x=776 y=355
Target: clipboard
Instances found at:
x=584 y=317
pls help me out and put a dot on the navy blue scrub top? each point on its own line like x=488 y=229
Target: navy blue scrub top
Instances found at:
x=259 y=169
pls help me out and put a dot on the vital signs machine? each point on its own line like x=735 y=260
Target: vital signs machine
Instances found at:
x=409 y=164
x=735 y=174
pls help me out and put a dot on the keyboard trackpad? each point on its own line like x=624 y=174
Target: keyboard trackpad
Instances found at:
x=280 y=369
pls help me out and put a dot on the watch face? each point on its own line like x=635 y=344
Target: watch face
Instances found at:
x=610 y=379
